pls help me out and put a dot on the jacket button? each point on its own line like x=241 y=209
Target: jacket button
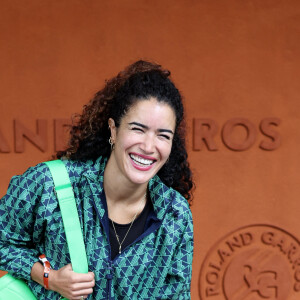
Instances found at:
x=109 y=276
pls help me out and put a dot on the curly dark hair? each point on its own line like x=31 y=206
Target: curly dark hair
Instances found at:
x=140 y=80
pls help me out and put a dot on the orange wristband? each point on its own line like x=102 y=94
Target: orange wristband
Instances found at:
x=47 y=268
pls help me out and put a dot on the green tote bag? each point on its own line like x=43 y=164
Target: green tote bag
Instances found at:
x=14 y=289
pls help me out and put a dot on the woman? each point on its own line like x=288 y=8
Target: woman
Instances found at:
x=128 y=167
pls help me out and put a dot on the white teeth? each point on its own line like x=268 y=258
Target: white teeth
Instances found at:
x=141 y=161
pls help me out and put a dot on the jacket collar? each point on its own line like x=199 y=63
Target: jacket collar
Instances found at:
x=161 y=195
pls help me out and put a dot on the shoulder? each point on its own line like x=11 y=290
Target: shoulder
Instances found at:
x=32 y=178
x=166 y=199
x=179 y=203
x=181 y=209
x=25 y=190
x=90 y=168
x=35 y=178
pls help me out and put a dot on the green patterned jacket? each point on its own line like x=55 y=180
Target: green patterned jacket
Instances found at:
x=158 y=265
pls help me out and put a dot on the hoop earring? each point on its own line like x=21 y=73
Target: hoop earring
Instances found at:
x=112 y=144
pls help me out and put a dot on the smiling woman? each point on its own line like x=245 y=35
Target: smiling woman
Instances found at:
x=128 y=167
x=143 y=141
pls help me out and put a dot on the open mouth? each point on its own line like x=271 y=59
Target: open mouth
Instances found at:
x=140 y=161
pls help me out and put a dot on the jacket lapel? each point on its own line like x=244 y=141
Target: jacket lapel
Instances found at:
x=94 y=191
x=161 y=197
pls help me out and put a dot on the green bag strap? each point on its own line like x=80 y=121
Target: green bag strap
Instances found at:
x=67 y=203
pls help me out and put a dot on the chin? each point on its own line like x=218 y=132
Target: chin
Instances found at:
x=140 y=178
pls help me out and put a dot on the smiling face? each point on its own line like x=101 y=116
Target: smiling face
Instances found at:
x=143 y=141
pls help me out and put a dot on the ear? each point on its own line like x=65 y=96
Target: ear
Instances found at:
x=113 y=129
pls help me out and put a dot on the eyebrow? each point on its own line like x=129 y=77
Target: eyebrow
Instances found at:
x=146 y=127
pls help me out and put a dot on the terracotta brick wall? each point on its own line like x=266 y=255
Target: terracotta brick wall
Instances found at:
x=237 y=64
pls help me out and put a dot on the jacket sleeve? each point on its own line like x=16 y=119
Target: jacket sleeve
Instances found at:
x=20 y=229
x=178 y=280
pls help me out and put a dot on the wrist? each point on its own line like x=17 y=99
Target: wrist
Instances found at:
x=51 y=280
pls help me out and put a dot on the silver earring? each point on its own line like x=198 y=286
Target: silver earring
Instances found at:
x=112 y=144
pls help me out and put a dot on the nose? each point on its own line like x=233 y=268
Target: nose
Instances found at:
x=148 y=144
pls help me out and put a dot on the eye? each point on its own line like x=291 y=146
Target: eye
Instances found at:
x=137 y=129
x=165 y=136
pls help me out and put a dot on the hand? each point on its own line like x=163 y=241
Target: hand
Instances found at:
x=71 y=285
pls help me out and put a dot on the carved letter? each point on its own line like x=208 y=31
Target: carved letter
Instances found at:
x=266 y=129
x=297 y=275
x=4 y=147
x=296 y=263
x=214 y=266
x=211 y=292
x=297 y=287
x=281 y=243
x=222 y=255
x=204 y=131
x=39 y=139
x=235 y=243
x=290 y=251
x=247 y=238
x=212 y=277
x=268 y=238
x=228 y=130
x=60 y=133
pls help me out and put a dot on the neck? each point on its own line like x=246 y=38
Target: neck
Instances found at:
x=120 y=189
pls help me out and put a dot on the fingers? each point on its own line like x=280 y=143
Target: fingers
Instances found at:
x=72 y=285
x=82 y=277
x=83 y=285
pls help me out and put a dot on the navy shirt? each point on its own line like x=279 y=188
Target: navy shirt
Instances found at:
x=137 y=228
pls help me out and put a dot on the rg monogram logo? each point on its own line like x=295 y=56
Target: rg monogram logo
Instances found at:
x=259 y=282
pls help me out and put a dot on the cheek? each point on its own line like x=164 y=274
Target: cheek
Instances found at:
x=127 y=141
x=165 y=150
